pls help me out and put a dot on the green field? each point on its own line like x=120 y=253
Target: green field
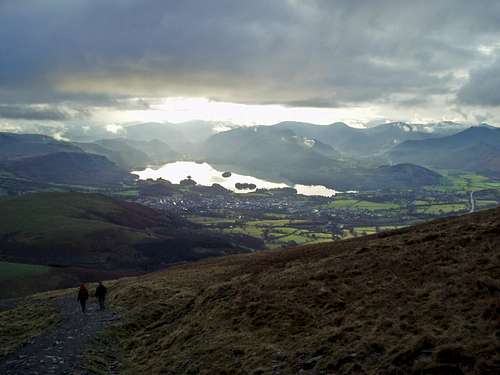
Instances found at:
x=442 y=208
x=250 y=230
x=9 y=271
x=132 y=193
x=457 y=181
x=297 y=236
x=486 y=203
x=275 y=215
x=363 y=205
x=275 y=223
x=209 y=220
x=367 y=230
x=277 y=233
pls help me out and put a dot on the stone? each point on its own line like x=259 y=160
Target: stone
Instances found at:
x=311 y=363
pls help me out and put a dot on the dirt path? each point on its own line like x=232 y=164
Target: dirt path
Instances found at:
x=9 y=303
x=59 y=350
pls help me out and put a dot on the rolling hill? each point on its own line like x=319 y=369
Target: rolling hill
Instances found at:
x=420 y=300
x=98 y=232
x=31 y=162
x=475 y=149
x=118 y=151
x=158 y=152
x=13 y=146
x=69 y=168
x=131 y=154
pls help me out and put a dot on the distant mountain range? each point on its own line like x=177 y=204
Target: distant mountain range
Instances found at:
x=38 y=159
x=276 y=151
x=13 y=146
x=33 y=158
x=178 y=136
x=186 y=137
x=349 y=140
x=475 y=149
x=357 y=142
x=296 y=151
x=131 y=154
x=69 y=168
x=333 y=155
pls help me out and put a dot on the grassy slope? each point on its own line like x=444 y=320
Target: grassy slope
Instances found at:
x=29 y=319
x=71 y=225
x=417 y=300
x=60 y=214
x=17 y=284
x=96 y=237
x=9 y=271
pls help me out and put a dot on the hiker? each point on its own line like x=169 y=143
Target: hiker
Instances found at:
x=83 y=296
x=100 y=293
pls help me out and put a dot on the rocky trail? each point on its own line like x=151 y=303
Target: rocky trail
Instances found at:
x=60 y=349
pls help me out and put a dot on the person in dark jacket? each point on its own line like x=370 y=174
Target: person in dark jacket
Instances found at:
x=83 y=296
x=100 y=293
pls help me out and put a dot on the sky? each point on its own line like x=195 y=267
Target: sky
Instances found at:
x=114 y=62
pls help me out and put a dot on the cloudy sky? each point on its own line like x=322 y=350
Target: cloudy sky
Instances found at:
x=118 y=61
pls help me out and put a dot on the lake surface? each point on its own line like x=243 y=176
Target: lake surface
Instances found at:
x=205 y=174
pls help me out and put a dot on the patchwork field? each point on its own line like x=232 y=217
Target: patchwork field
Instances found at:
x=442 y=208
x=460 y=181
x=363 y=205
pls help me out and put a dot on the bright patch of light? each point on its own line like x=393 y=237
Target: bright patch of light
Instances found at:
x=221 y=128
x=177 y=110
x=205 y=174
x=314 y=190
x=487 y=50
x=309 y=142
x=113 y=128
x=59 y=136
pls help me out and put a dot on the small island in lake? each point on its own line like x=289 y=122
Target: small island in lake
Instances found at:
x=245 y=186
x=188 y=182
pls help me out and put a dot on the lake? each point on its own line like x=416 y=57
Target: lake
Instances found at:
x=205 y=174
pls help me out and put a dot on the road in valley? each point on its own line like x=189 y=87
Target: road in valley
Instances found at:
x=472 y=202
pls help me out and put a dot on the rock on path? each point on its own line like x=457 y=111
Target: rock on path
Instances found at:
x=59 y=350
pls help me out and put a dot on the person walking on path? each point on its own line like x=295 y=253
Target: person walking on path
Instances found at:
x=83 y=296
x=100 y=293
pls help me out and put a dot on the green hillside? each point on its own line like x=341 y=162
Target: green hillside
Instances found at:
x=91 y=230
x=64 y=216
x=68 y=168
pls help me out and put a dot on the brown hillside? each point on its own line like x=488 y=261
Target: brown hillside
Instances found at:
x=424 y=300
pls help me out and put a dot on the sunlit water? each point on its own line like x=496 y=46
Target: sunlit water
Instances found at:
x=314 y=190
x=205 y=174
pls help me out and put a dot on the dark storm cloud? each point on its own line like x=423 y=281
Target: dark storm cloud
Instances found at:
x=310 y=53
x=23 y=112
x=483 y=87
